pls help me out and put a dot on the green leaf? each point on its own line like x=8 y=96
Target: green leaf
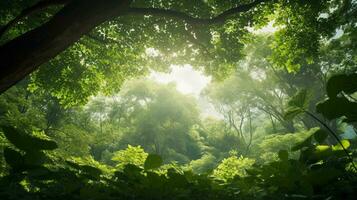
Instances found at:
x=335 y=85
x=320 y=135
x=13 y=158
x=297 y=104
x=341 y=82
x=322 y=148
x=27 y=142
x=152 y=162
x=292 y=112
x=300 y=99
x=338 y=147
x=337 y=107
x=322 y=152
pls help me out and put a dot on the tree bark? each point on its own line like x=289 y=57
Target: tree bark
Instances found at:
x=22 y=55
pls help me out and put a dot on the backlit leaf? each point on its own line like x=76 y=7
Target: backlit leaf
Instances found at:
x=338 y=147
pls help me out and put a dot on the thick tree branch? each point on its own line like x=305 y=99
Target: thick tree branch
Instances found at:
x=22 y=55
x=221 y=18
x=28 y=11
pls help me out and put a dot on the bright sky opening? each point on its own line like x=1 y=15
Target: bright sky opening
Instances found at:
x=187 y=79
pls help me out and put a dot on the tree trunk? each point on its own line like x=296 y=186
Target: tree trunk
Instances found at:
x=22 y=55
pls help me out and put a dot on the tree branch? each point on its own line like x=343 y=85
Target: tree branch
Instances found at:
x=221 y=18
x=28 y=11
x=25 y=53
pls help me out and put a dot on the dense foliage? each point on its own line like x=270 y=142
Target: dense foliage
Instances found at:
x=90 y=123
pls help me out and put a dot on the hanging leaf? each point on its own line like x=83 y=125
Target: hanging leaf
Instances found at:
x=152 y=162
x=341 y=82
x=27 y=142
x=337 y=107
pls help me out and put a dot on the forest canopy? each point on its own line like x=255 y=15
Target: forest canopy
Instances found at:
x=83 y=117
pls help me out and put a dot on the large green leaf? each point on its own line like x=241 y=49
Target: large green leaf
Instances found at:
x=300 y=99
x=297 y=104
x=342 y=82
x=291 y=112
x=152 y=162
x=27 y=142
x=337 y=107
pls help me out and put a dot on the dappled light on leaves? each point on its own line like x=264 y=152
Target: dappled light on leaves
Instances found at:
x=181 y=100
